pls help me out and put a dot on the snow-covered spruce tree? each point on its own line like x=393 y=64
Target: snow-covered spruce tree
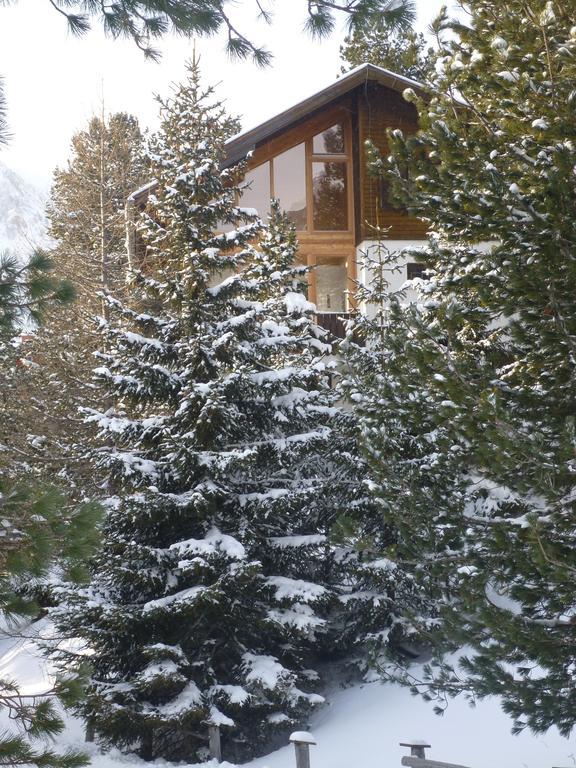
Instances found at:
x=474 y=424
x=212 y=586
x=387 y=395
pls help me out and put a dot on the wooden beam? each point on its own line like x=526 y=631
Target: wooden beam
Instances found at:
x=423 y=762
x=312 y=279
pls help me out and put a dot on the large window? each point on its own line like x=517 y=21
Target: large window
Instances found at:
x=258 y=192
x=311 y=180
x=290 y=184
x=330 y=180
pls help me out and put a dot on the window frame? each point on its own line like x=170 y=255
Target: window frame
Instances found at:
x=307 y=138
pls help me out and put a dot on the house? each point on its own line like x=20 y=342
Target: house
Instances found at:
x=312 y=158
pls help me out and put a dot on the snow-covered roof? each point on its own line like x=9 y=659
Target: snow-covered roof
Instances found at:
x=238 y=146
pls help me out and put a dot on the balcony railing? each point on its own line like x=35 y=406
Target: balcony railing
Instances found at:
x=333 y=322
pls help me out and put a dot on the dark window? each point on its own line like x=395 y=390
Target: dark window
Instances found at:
x=415 y=269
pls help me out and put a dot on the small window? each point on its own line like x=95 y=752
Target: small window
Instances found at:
x=329 y=142
x=415 y=269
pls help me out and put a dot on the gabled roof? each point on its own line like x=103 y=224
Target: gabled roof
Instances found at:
x=238 y=147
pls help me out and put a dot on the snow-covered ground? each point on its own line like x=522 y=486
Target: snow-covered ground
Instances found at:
x=360 y=728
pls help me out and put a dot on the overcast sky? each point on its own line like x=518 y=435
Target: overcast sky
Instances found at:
x=54 y=82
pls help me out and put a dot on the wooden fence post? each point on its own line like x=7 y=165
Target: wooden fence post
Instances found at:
x=215 y=743
x=89 y=737
x=417 y=748
x=302 y=741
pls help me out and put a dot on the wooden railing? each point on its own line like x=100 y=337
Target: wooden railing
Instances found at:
x=418 y=759
x=333 y=322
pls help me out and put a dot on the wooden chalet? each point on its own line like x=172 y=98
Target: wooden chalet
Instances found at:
x=312 y=158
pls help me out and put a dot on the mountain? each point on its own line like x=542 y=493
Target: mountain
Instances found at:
x=22 y=218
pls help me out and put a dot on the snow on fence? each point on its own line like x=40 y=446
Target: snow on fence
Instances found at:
x=417 y=757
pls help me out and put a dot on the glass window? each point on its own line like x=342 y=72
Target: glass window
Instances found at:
x=331 y=284
x=290 y=184
x=257 y=194
x=330 y=194
x=329 y=142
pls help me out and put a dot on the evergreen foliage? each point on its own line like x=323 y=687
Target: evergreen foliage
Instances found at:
x=469 y=423
x=3 y=123
x=215 y=580
x=26 y=290
x=87 y=202
x=53 y=380
x=39 y=525
x=390 y=42
x=144 y=21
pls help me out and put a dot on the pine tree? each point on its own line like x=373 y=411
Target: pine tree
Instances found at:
x=39 y=527
x=87 y=202
x=390 y=42
x=144 y=21
x=86 y=218
x=471 y=424
x=214 y=584
x=3 y=122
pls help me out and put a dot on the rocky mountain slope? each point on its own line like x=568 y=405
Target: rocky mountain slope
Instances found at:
x=22 y=219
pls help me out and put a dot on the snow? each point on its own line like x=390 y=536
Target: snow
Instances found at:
x=302 y=617
x=362 y=725
x=213 y=542
x=264 y=670
x=302 y=737
x=297 y=302
x=22 y=219
x=179 y=598
x=296 y=588
x=309 y=540
x=219 y=718
x=235 y=693
x=189 y=698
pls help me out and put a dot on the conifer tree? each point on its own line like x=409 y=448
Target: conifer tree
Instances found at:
x=390 y=41
x=39 y=526
x=3 y=122
x=87 y=202
x=87 y=228
x=144 y=21
x=215 y=580
x=470 y=423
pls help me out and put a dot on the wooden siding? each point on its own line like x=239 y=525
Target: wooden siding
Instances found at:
x=381 y=109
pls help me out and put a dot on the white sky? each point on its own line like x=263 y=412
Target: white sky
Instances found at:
x=54 y=81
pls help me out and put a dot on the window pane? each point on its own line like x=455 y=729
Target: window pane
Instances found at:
x=331 y=284
x=329 y=142
x=258 y=194
x=330 y=196
x=290 y=184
